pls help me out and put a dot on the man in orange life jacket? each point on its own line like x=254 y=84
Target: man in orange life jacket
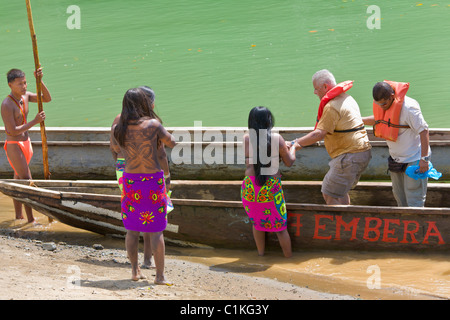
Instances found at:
x=399 y=120
x=340 y=125
x=14 y=110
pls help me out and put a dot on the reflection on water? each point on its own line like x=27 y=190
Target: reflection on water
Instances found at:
x=402 y=275
x=215 y=60
x=49 y=231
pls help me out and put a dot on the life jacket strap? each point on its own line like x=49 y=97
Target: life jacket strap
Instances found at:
x=350 y=130
x=390 y=124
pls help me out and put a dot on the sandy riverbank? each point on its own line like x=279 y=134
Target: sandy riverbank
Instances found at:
x=31 y=272
x=81 y=272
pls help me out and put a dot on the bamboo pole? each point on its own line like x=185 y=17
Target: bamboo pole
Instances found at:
x=39 y=91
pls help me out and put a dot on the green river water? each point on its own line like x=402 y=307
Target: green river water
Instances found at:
x=212 y=61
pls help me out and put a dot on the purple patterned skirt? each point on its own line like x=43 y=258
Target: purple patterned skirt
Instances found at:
x=144 y=202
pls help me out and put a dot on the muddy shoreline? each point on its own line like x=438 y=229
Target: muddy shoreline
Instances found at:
x=61 y=271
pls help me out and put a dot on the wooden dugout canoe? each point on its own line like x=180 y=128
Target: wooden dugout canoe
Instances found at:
x=210 y=213
x=202 y=153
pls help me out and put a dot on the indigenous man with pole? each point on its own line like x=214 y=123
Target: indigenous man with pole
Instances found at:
x=14 y=110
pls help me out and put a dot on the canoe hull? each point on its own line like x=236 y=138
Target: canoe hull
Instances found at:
x=318 y=227
x=224 y=224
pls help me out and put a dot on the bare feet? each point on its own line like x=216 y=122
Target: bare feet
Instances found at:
x=137 y=275
x=147 y=265
x=29 y=220
x=163 y=282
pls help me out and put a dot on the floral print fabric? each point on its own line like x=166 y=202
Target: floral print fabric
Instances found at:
x=265 y=205
x=144 y=202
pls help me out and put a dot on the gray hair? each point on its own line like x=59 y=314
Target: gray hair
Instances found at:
x=324 y=76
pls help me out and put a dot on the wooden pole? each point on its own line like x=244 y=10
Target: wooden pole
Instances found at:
x=39 y=91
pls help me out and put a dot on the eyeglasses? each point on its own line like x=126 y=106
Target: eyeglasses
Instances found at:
x=385 y=102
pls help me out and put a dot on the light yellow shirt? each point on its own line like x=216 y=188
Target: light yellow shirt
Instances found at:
x=342 y=113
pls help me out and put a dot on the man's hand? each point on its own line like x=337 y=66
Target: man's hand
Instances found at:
x=289 y=144
x=40 y=117
x=423 y=166
x=38 y=74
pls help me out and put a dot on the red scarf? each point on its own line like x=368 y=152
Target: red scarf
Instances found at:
x=331 y=94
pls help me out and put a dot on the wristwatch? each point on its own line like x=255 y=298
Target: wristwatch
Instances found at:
x=426 y=158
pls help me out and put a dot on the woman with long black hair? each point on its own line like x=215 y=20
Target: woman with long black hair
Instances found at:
x=261 y=191
x=144 y=199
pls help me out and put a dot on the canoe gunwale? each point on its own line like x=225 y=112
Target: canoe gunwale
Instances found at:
x=42 y=185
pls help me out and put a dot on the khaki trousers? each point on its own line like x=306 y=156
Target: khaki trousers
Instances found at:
x=407 y=191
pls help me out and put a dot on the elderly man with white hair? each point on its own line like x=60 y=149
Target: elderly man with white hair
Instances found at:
x=340 y=125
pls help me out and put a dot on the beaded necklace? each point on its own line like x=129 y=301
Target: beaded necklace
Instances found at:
x=18 y=103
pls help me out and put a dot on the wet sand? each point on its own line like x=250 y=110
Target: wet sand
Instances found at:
x=76 y=270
